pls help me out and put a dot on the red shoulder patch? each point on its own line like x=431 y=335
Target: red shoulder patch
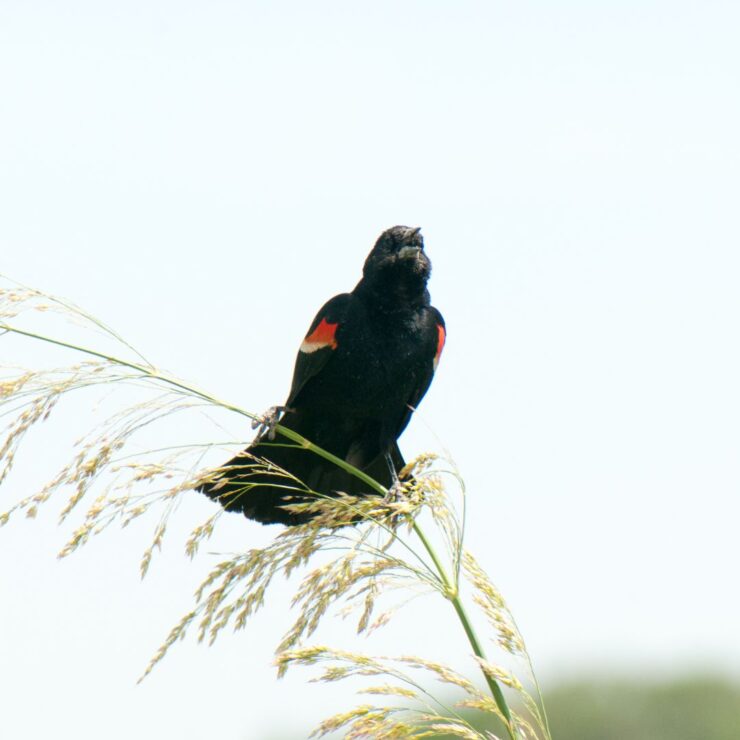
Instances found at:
x=441 y=336
x=322 y=336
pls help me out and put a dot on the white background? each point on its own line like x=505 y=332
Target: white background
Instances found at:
x=203 y=176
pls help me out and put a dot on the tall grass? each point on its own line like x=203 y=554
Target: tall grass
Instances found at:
x=361 y=555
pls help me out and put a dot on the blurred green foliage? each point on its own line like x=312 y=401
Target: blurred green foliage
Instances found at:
x=687 y=709
x=692 y=708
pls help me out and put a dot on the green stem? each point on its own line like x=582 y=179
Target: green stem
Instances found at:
x=453 y=595
x=151 y=373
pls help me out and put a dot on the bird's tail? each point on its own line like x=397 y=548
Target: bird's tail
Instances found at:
x=260 y=481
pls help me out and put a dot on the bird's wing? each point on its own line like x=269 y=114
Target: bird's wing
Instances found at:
x=319 y=344
x=438 y=335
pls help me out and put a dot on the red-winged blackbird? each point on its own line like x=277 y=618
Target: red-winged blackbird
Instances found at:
x=364 y=365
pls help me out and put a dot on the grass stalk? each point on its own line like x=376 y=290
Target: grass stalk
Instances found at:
x=453 y=595
x=449 y=586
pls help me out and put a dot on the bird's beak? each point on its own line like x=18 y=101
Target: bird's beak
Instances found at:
x=406 y=253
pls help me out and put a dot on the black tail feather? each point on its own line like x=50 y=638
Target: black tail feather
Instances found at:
x=247 y=484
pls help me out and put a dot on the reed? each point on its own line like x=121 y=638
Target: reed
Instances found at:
x=365 y=556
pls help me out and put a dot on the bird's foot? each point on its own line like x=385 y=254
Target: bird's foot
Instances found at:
x=396 y=489
x=396 y=492
x=265 y=425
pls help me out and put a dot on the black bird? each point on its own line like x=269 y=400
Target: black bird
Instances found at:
x=363 y=367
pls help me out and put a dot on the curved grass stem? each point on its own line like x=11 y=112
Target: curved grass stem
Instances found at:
x=150 y=372
x=453 y=595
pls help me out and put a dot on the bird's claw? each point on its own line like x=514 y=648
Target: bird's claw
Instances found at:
x=265 y=425
x=396 y=492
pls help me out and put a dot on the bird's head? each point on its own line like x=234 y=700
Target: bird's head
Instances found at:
x=398 y=255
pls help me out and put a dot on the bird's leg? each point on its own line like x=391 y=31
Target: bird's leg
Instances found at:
x=266 y=424
x=391 y=468
x=396 y=489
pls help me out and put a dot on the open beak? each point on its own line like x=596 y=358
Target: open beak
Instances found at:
x=406 y=253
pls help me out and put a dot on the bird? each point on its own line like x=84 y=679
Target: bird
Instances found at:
x=361 y=370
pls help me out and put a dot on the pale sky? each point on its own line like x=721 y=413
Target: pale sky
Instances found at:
x=203 y=176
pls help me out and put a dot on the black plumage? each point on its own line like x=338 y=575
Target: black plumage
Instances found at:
x=366 y=362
